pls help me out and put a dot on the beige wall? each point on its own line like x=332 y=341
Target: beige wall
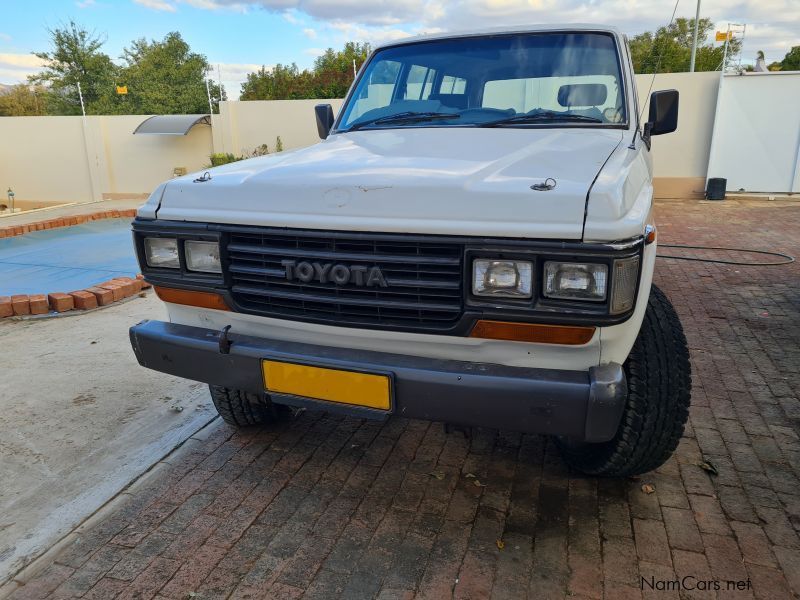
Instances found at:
x=138 y=163
x=44 y=159
x=53 y=160
x=242 y=126
x=48 y=159
x=680 y=159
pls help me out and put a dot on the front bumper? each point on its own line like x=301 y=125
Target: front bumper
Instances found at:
x=580 y=405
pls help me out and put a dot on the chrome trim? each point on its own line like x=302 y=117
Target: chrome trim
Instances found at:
x=622 y=244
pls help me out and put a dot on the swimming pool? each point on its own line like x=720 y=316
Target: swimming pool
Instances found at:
x=66 y=259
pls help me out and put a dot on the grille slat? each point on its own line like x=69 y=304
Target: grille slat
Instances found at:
x=424 y=279
x=306 y=297
x=269 y=275
x=345 y=256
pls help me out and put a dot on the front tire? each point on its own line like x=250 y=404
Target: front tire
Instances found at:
x=245 y=409
x=659 y=392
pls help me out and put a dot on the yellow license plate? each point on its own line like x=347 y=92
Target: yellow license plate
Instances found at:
x=334 y=385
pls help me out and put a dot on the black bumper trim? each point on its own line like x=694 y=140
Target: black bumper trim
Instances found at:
x=580 y=405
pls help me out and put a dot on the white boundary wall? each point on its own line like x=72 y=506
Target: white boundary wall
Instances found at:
x=49 y=160
x=52 y=160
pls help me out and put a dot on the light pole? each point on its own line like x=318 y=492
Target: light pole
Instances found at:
x=694 y=41
x=10 y=195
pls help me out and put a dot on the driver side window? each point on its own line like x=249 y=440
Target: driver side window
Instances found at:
x=380 y=89
x=419 y=83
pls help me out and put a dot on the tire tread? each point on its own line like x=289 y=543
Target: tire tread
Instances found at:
x=240 y=408
x=658 y=372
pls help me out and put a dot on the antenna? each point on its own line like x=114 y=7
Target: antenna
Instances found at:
x=208 y=93
x=653 y=80
x=80 y=96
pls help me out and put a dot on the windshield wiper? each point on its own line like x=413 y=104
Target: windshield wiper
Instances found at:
x=405 y=117
x=547 y=117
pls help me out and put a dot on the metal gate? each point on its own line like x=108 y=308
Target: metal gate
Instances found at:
x=756 y=140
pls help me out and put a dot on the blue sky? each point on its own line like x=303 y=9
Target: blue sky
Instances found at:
x=241 y=35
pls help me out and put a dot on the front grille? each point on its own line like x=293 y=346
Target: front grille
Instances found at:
x=424 y=278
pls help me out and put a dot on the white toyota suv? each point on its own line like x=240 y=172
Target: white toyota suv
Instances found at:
x=472 y=242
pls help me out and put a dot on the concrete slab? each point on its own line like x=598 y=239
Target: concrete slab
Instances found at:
x=80 y=420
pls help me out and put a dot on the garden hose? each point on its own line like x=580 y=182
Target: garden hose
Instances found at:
x=787 y=259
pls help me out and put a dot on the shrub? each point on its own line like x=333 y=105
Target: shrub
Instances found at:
x=223 y=158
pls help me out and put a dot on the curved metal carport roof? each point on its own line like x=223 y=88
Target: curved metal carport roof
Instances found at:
x=171 y=124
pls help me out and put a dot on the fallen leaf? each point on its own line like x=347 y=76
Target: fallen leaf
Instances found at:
x=648 y=488
x=479 y=484
x=500 y=544
x=469 y=476
x=437 y=475
x=708 y=466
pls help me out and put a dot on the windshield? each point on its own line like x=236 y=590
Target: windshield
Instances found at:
x=521 y=80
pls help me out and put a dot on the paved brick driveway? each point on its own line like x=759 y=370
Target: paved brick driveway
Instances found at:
x=325 y=507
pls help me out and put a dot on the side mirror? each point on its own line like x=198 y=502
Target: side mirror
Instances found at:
x=324 y=114
x=663 y=114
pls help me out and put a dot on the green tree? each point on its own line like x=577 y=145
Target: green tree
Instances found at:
x=162 y=77
x=74 y=58
x=23 y=101
x=330 y=77
x=669 y=49
x=333 y=70
x=282 y=82
x=791 y=62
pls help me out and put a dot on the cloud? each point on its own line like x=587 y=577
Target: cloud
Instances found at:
x=291 y=17
x=4 y=37
x=772 y=24
x=216 y=5
x=84 y=3
x=374 y=35
x=314 y=52
x=160 y=5
x=233 y=75
x=310 y=33
x=15 y=68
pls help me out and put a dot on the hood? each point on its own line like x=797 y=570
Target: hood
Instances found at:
x=459 y=181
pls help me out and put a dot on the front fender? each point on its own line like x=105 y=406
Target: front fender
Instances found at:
x=621 y=198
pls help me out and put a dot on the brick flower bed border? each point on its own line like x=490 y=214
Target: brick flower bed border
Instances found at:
x=14 y=230
x=101 y=294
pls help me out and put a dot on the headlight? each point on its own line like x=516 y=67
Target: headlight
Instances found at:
x=202 y=256
x=161 y=253
x=626 y=275
x=504 y=278
x=575 y=281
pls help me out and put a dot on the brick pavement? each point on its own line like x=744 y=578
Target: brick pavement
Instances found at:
x=324 y=507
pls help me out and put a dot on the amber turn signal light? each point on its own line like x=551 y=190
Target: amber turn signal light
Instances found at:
x=650 y=234
x=191 y=298
x=532 y=332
